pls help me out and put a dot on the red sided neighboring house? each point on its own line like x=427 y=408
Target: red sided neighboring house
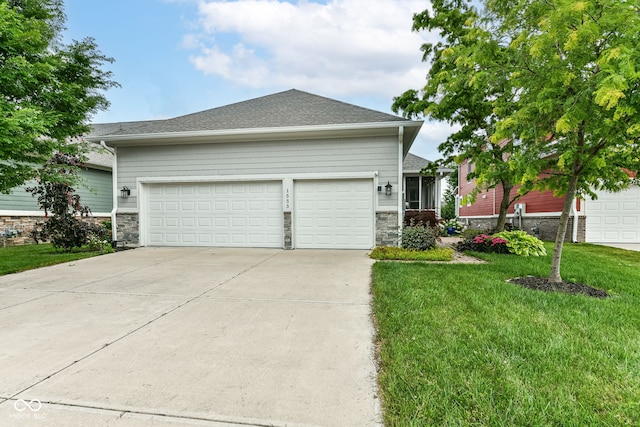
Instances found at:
x=612 y=218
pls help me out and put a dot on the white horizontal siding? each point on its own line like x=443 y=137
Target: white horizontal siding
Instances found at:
x=256 y=158
x=95 y=191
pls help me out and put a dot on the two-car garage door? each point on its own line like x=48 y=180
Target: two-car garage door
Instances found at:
x=237 y=214
x=326 y=214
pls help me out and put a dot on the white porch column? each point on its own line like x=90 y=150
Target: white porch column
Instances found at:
x=438 y=202
x=401 y=193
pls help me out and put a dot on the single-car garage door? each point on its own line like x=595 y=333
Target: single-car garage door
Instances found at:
x=333 y=214
x=614 y=217
x=236 y=214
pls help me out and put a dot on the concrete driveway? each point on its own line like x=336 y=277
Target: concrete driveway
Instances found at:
x=627 y=246
x=190 y=336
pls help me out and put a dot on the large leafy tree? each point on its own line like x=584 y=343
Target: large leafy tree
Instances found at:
x=576 y=70
x=48 y=90
x=465 y=88
x=560 y=78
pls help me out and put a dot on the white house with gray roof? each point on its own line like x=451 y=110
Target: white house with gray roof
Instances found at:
x=288 y=170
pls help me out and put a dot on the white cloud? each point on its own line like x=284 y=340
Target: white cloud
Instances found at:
x=337 y=48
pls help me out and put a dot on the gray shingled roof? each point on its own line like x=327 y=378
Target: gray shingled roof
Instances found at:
x=98 y=156
x=285 y=109
x=99 y=129
x=413 y=163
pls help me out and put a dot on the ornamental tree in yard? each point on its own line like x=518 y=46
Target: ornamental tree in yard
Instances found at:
x=48 y=90
x=61 y=205
x=575 y=70
x=465 y=87
x=557 y=78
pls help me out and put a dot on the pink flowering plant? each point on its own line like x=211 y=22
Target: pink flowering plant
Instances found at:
x=516 y=242
x=485 y=243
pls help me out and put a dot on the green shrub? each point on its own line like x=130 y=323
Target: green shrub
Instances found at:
x=418 y=237
x=96 y=244
x=99 y=237
x=470 y=233
x=521 y=243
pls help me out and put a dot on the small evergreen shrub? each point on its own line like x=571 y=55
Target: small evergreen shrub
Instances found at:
x=418 y=237
x=521 y=243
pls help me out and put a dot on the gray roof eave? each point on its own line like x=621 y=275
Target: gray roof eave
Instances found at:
x=438 y=171
x=412 y=128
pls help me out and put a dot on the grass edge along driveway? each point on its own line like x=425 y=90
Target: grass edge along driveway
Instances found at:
x=460 y=346
x=14 y=259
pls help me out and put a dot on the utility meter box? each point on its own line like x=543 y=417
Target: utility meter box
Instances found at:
x=519 y=209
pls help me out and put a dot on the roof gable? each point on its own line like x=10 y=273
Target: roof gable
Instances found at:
x=413 y=163
x=285 y=109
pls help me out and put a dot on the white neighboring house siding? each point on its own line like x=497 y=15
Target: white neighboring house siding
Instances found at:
x=292 y=160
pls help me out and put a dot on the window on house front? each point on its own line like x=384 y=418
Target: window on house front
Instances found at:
x=469 y=170
x=413 y=192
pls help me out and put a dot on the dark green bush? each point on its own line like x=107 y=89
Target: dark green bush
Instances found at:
x=418 y=237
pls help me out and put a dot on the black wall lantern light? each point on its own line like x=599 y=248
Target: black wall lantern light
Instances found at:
x=387 y=188
x=125 y=192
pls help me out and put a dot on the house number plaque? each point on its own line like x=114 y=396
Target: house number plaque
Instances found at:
x=288 y=185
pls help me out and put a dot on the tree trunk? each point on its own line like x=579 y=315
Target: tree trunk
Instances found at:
x=504 y=206
x=562 y=229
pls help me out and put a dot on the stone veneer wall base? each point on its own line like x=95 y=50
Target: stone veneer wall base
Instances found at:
x=25 y=225
x=547 y=226
x=387 y=231
x=288 y=233
x=128 y=228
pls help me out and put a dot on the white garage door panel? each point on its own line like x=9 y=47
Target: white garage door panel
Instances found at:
x=333 y=214
x=614 y=217
x=215 y=214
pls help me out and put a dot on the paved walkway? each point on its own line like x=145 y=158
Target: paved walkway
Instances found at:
x=190 y=336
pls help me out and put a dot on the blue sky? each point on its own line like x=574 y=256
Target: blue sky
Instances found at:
x=176 y=57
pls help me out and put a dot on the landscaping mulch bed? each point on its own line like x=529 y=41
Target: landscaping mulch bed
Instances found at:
x=544 y=284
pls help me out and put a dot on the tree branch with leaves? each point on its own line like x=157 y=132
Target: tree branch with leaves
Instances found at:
x=48 y=90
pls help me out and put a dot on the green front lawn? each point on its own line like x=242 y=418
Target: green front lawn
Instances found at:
x=20 y=258
x=461 y=347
